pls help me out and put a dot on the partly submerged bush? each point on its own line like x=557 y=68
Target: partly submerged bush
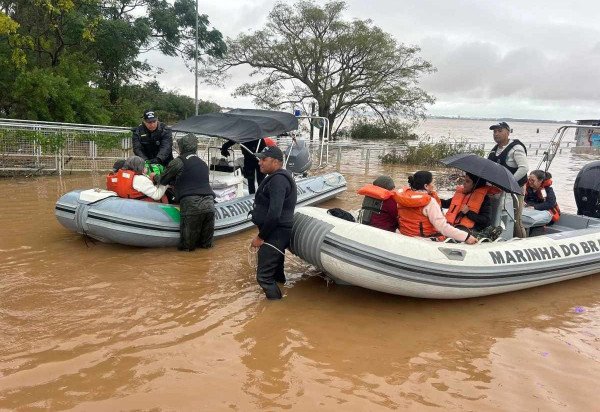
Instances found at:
x=375 y=130
x=428 y=153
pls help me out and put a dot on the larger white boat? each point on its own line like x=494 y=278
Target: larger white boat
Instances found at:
x=361 y=255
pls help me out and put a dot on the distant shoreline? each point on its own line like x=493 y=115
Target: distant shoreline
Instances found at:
x=501 y=119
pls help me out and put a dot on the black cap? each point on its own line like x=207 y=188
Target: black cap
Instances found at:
x=271 y=151
x=149 y=115
x=501 y=125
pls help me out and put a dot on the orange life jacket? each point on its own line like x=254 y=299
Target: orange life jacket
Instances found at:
x=493 y=190
x=124 y=187
x=411 y=220
x=473 y=200
x=111 y=181
x=541 y=194
x=375 y=192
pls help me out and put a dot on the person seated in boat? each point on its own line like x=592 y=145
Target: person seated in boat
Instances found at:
x=540 y=200
x=420 y=212
x=111 y=178
x=132 y=183
x=470 y=208
x=379 y=207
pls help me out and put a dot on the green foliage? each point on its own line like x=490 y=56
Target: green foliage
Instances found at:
x=7 y=25
x=391 y=130
x=169 y=106
x=104 y=141
x=61 y=93
x=308 y=52
x=69 y=60
x=428 y=153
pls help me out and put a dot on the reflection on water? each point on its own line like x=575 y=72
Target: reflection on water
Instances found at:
x=91 y=326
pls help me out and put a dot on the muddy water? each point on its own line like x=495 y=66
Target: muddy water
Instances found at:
x=91 y=326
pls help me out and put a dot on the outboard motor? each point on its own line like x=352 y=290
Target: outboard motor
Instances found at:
x=298 y=157
x=587 y=189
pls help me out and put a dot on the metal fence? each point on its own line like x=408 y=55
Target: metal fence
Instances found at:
x=78 y=155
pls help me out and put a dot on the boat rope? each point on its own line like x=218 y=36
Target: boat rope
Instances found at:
x=253 y=254
x=252 y=257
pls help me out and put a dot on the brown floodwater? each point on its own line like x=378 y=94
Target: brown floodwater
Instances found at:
x=92 y=326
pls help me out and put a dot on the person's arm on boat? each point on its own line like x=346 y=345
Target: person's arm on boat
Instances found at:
x=144 y=185
x=171 y=172
x=521 y=160
x=278 y=187
x=484 y=217
x=438 y=220
x=390 y=207
x=547 y=204
x=225 y=147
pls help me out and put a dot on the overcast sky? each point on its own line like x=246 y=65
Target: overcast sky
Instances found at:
x=524 y=59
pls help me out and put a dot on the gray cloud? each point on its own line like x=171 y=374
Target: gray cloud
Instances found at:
x=520 y=59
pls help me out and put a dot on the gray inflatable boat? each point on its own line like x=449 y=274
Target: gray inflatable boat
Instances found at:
x=361 y=255
x=102 y=215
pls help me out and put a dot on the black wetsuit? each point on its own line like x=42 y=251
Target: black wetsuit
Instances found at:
x=189 y=173
x=273 y=213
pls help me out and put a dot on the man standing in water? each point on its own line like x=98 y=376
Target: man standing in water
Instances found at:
x=511 y=154
x=273 y=213
x=190 y=176
x=153 y=140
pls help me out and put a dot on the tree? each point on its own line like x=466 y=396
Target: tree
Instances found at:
x=309 y=53
x=170 y=106
x=132 y=27
x=68 y=60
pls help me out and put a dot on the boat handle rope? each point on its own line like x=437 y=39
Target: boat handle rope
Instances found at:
x=253 y=252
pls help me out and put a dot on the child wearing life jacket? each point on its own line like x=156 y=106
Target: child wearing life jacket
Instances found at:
x=379 y=207
x=420 y=213
x=133 y=184
x=540 y=196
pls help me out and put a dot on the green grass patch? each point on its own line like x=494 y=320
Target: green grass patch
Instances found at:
x=428 y=153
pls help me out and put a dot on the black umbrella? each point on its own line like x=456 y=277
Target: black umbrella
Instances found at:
x=486 y=169
x=239 y=125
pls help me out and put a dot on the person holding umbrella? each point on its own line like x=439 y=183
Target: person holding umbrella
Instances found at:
x=470 y=208
x=483 y=168
x=513 y=156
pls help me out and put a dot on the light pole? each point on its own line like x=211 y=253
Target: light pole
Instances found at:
x=196 y=62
